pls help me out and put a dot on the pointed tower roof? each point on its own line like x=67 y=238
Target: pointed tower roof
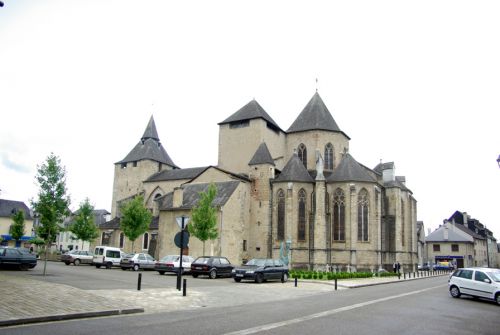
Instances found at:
x=149 y=147
x=150 y=131
x=350 y=170
x=315 y=116
x=251 y=110
x=262 y=156
x=294 y=170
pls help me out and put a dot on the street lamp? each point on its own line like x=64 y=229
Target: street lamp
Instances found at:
x=498 y=160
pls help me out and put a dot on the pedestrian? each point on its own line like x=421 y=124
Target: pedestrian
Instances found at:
x=398 y=266
x=394 y=265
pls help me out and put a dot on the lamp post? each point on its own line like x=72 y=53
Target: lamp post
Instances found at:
x=498 y=160
x=182 y=221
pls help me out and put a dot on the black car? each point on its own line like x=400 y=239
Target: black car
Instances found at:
x=260 y=269
x=11 y=257
x=212 y=266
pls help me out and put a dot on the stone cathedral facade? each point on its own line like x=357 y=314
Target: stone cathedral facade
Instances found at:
x=297 y=193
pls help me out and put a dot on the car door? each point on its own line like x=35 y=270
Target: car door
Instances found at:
x=482 y=285
x=150 y=262
x=269 y=270
x=225 y=266
x=12 y=256
x=464 y=281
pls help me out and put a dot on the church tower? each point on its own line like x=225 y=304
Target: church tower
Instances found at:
x=145 y=159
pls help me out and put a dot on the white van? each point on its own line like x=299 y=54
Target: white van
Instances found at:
x=107 y=256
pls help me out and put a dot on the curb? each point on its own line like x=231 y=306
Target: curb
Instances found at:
x=71 y=316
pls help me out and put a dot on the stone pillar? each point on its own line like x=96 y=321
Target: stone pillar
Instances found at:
x=353 y=224
x=320 y=225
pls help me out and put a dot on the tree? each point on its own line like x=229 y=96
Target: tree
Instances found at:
x=84 y=227
x=203 y=217
x=17 y=228
x=52 y=203
x=135 y=219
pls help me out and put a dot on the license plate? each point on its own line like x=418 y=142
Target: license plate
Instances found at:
x=239 y=275
x=198 y=267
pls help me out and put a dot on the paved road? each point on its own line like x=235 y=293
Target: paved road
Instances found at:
x=413 y=307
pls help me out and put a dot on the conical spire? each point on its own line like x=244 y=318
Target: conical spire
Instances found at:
x=350 y=170
x=150 y=131
x=294 y=170
x=251 y=110
x=262 y=156
x=315 y=116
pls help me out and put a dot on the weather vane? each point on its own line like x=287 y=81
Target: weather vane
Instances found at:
x=316 y=84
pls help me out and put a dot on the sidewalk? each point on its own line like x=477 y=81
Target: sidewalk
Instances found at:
x=27 y=300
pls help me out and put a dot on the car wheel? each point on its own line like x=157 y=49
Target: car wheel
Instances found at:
x=76 y=262
x=212 y=274
x=67 y=263
x=284 y=278
x=497 y=298
x=455 y=292
x=136 y=267
x=195 y=275
x=259 y=278
x=237 y=280
x=24 y=267
x=108 y=265
x=161 y=272
x=124 y=269
x=98 y=266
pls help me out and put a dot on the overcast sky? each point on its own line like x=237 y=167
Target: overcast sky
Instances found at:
x=413 y=82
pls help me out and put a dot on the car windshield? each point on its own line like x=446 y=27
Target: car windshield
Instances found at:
x=129 y=256
x=170 y=258
x=257 y=262
x=494 y=275
x=203 y=260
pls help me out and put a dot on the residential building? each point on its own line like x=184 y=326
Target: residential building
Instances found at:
x=7 y=209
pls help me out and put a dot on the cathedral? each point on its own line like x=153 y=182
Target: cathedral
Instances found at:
x=297 y=194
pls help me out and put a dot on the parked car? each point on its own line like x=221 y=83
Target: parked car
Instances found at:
x=107 y=256
x=476 y=282
x=137 y=261
x=212 y=266
x=171 y=263
x=261 y=269
x=77 y=257
x=12 y=257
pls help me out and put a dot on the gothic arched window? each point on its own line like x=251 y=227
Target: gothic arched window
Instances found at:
x=363 y=208
x=302 y=153
x=339 y=215
x=329 y=157
x=281 y=215
x=145 y=241
x=301 y=232
x=402 y=222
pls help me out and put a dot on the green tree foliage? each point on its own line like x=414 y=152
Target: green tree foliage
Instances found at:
x=17 y=228
x=135 y=219
x=83 y=226
x=203 y=217
x=53 y=202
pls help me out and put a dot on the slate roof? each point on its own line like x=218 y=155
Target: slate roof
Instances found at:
x=9 y=207
x=350 y=170
x=315 y=116
x=191 y=195
x=294 y=170
x=398 y=184
x=177 y=174
x=251 y=110
x=453 y=236
x=262 y=156
x=149 y=147
x=115 y=223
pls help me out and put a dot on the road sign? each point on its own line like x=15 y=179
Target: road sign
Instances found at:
x=185 y=239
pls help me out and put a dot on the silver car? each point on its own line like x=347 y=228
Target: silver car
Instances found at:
x=137 y=261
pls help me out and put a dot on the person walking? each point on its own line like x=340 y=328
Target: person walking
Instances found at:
x=394 y=265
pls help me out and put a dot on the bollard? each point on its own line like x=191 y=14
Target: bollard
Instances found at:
x=404 y=276
x=335 y=284
x=139 y=278
x=184 y=287
x=178 y=284
x=295 y=281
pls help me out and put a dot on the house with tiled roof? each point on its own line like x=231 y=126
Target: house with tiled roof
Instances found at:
x=298 y=194
x=7 y=209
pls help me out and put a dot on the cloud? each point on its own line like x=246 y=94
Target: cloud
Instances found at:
x=9 y=164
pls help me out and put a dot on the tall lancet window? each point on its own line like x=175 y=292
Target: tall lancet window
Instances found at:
x=301 y=232
x=363 y=211
x=329 y=157
x=281 y=215
x=302 y=153
x=339 y=215
x=402 y=222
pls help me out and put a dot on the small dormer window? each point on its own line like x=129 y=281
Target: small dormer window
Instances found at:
x=123 y=165
x=239 y=124
x=134 y=164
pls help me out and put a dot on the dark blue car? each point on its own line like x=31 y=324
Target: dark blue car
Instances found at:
x=261 y=269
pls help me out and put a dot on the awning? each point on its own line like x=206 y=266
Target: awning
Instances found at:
x=8 y=237
x=448 y=257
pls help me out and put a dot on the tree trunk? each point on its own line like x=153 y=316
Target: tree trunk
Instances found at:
x=133 y=246
x=203 y=248
x=45 y=261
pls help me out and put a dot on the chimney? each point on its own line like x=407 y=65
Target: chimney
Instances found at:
x=178 y=197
